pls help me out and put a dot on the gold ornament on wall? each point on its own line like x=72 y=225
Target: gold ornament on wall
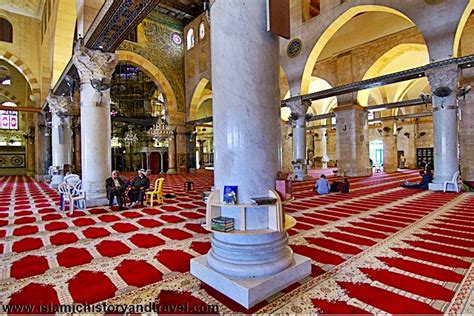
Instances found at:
x=294 y=47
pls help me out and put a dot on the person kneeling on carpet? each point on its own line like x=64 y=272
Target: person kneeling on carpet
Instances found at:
x=426 y=178
x=115 y=187
x=138 y=187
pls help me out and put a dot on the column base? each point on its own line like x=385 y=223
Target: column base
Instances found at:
x=96 y=201
x=171 y=171
x=56 y=180
x=251 y=291
x=301 y=175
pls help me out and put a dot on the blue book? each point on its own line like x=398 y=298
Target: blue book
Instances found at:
x=230 y=194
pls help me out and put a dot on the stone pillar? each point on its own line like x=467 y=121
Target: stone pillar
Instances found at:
x=184 y=148
x=466 y=128
x=162 y=161
x=352 y=147
x=172 y=155
x=410 y=154
x=298 y=113
x=77 y=144
x=286 y=153
x=390 y=149
x=95 y=69
x=39 y=142
x=443 y=82
x=324 y=148
x=30 y=150
x=201 y=153
x=61 y=136
x=247 y=267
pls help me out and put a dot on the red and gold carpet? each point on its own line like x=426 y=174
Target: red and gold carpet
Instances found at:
x=378 y=249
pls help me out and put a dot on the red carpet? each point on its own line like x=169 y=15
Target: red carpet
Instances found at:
x=98 y=254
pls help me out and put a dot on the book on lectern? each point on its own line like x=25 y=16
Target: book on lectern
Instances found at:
x=230 y=194
x=264 y=200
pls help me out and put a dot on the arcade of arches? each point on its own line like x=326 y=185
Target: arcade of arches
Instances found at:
x=201 y=94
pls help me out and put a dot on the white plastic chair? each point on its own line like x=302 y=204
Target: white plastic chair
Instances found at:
x=64 y=190
x=454 y=181
x=76 y=194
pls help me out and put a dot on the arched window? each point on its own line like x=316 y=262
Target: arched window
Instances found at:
x=190 y=39
x=5 y=78
x=6 y=31
x=8 y=119
x=202 y=30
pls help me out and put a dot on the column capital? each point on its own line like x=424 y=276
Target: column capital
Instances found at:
x=93 y=64
x=299 y=107
x=60 y=105
x=346 y=107
x=443 y=76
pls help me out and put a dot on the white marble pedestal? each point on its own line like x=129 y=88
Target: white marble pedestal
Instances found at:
x=249 y=292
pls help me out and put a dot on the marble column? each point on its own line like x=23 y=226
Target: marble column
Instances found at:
x=466 y=127
x=390 y=149
x=95 y=68
x=172 y=155
x=410 y=154
x=298 y=112
x=352 y=147
x=77 y=144
x=286 y=153
x=39 y=142
x=30 y=150
x=324 y=148
x=61 y=136
x=201 y=153
x=443 y=82
x=247 y=267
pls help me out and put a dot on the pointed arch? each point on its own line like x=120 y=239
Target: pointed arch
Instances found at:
x=331 y=30
x=24 y=70
x=154 y=73
x=461 y=25
x=197 y=98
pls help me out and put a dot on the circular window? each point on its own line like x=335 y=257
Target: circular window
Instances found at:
x=294 y=47
x=176 y=38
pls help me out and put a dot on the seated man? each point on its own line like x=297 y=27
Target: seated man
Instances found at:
x=322 y=185
x=115 y=186
x=426 y=178
x=340 y=186
x=138 y=187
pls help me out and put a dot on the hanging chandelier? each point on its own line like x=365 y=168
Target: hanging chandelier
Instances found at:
x=130 y=136
x=160 y=132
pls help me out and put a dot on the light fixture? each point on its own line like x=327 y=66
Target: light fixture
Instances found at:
x=130 y=136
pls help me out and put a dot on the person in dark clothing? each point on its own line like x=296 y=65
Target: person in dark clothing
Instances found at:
x=429 y=167
x=115 y=186
x=426 y=178
x=138 y=187
x=340 y=186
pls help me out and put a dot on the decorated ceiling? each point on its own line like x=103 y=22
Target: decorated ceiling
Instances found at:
x=24 y=7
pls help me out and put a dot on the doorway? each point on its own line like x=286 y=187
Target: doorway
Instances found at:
x=376 y=152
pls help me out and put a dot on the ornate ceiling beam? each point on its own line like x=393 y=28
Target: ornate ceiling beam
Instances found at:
x=110 y=27
x=20 y=109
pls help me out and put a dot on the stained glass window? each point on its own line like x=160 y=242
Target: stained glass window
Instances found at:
x=8 y=119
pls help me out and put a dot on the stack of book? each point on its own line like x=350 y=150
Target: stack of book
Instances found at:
x=222 y=224
x=263 y=200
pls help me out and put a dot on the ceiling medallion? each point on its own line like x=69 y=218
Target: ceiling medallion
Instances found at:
x=433 y=2
x=294 y=47
x=176 y=38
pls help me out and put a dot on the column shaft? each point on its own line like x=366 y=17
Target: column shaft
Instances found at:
x=352 y=149
x=443 y=80
x=390 y=149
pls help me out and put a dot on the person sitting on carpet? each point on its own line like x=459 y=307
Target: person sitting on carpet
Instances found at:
x=115 y=187
x=322 y=185
x=138 y=187
x=426 y=178
x=340 y=186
